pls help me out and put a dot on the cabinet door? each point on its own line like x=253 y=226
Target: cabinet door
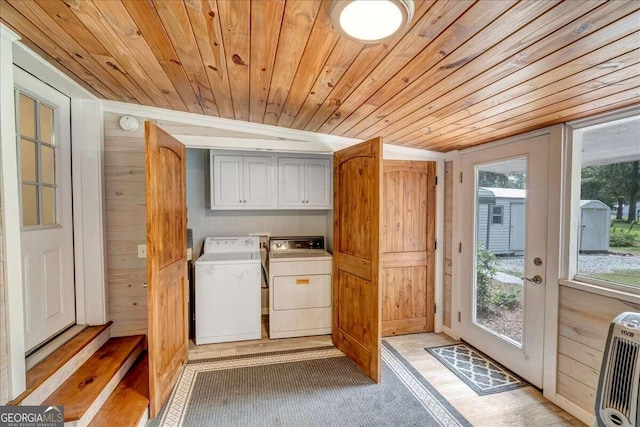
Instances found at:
x=318 y=181
x=291 y=178
x=257 y=181
x=227 y=181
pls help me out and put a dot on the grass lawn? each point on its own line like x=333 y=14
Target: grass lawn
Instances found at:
x=627 y=277
x=626 y=249
x=631 y=229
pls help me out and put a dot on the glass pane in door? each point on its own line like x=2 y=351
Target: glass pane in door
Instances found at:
x=500 y=243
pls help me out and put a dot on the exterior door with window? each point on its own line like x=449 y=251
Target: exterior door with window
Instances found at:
x=44 y=164
x=503 y=309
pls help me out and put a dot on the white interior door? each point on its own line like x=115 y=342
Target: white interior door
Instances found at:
x=503 y=297
x=44 y=164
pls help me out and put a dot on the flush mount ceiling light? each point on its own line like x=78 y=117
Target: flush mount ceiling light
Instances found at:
x=371 y=21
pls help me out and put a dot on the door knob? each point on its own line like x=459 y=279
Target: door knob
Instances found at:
x=535 y=279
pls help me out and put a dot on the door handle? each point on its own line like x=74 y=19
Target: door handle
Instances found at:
x=536 y=280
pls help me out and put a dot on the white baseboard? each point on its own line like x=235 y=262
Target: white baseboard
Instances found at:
x=575 y=410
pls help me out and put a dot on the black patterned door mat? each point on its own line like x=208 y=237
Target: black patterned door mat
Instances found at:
x=481 y=374
x=311 y=387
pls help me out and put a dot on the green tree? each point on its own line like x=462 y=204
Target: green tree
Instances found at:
x=613 y=184
x=501 y=180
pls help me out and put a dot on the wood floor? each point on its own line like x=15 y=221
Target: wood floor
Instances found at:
x=522 y=407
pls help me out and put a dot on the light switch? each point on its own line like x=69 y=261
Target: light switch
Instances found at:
x=142 y=251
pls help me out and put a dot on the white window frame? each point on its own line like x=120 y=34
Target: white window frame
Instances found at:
x=571 y=211
x=495 y=215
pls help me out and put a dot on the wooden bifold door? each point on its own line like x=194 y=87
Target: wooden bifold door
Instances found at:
x=407 y=246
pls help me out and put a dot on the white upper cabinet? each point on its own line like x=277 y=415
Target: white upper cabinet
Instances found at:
x=304 y=183
x=241 y=181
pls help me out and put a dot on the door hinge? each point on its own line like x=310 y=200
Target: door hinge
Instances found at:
x=435 y=245
x=460 y=177
x=435 y=308
x=436 y=179
x=460 y=247
x=459 y=317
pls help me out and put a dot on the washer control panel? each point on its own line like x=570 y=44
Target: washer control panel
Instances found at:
x=231 y=244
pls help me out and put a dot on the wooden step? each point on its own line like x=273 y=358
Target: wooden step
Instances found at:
x=128 y=405
x=51 y=372
x=84 y=392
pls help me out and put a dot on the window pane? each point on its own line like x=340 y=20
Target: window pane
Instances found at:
x=28 y=161
x=29 y=205
x=48 y=205
x=47 y=165
x=500 y=243
x=27 y=116
x=609 y=210
x=46 y=124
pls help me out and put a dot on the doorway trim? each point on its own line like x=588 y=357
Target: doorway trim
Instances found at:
x=88 y=218
x=554 y=208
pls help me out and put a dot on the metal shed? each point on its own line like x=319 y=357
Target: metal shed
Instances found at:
x=595 y=222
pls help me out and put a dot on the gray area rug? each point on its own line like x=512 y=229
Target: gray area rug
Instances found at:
x=313 y=387
x=480 y=373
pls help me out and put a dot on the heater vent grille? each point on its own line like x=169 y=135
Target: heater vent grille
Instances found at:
x=620 y=377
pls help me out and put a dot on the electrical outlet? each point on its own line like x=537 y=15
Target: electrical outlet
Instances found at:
x=142 y=251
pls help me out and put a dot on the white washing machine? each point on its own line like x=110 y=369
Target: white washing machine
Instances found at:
x=227 y=290
x=300 y=301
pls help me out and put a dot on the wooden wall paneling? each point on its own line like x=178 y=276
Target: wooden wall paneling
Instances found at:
x=266 y=19
x=126 y=30
x=297 y=23
x=407 y=245
x=583 y=105
x=450 y=46
x=447 y=300
x=40 y=42
x=551 y=53
x=58 y=35
x=413 y=46
x=235 y=24
x=341 y=58
x=149 y=24
x=321 y=42
x=205 y=21
x=368 y=58
x=178 y=28
x=126 y=228
x=584 y=320
x=97 y=24
x=493 y=45
x=524 y=104
x=584 y=68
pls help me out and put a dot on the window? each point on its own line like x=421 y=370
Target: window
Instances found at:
x=606 y=244
x=497 y=214
x=37 y=165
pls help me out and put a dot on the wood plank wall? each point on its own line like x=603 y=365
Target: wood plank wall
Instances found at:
x=124 y=174
x=4 y=349
x=448 y=243
x=584 y=319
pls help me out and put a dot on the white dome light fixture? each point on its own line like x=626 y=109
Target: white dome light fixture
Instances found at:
x=371 y=21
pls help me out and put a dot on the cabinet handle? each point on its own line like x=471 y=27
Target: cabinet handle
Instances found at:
x=244 y=201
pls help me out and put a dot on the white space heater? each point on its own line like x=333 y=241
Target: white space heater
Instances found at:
x=617 y=402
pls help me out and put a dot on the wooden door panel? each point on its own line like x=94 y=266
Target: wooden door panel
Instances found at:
x=408 y=236
x=166 y=263
x=357 y=227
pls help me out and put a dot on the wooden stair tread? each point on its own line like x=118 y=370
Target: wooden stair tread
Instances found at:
x=129 y=400
x=86 y=383
x=50 y=364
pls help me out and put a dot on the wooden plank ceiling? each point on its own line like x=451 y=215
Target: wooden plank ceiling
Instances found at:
x=463 y=73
